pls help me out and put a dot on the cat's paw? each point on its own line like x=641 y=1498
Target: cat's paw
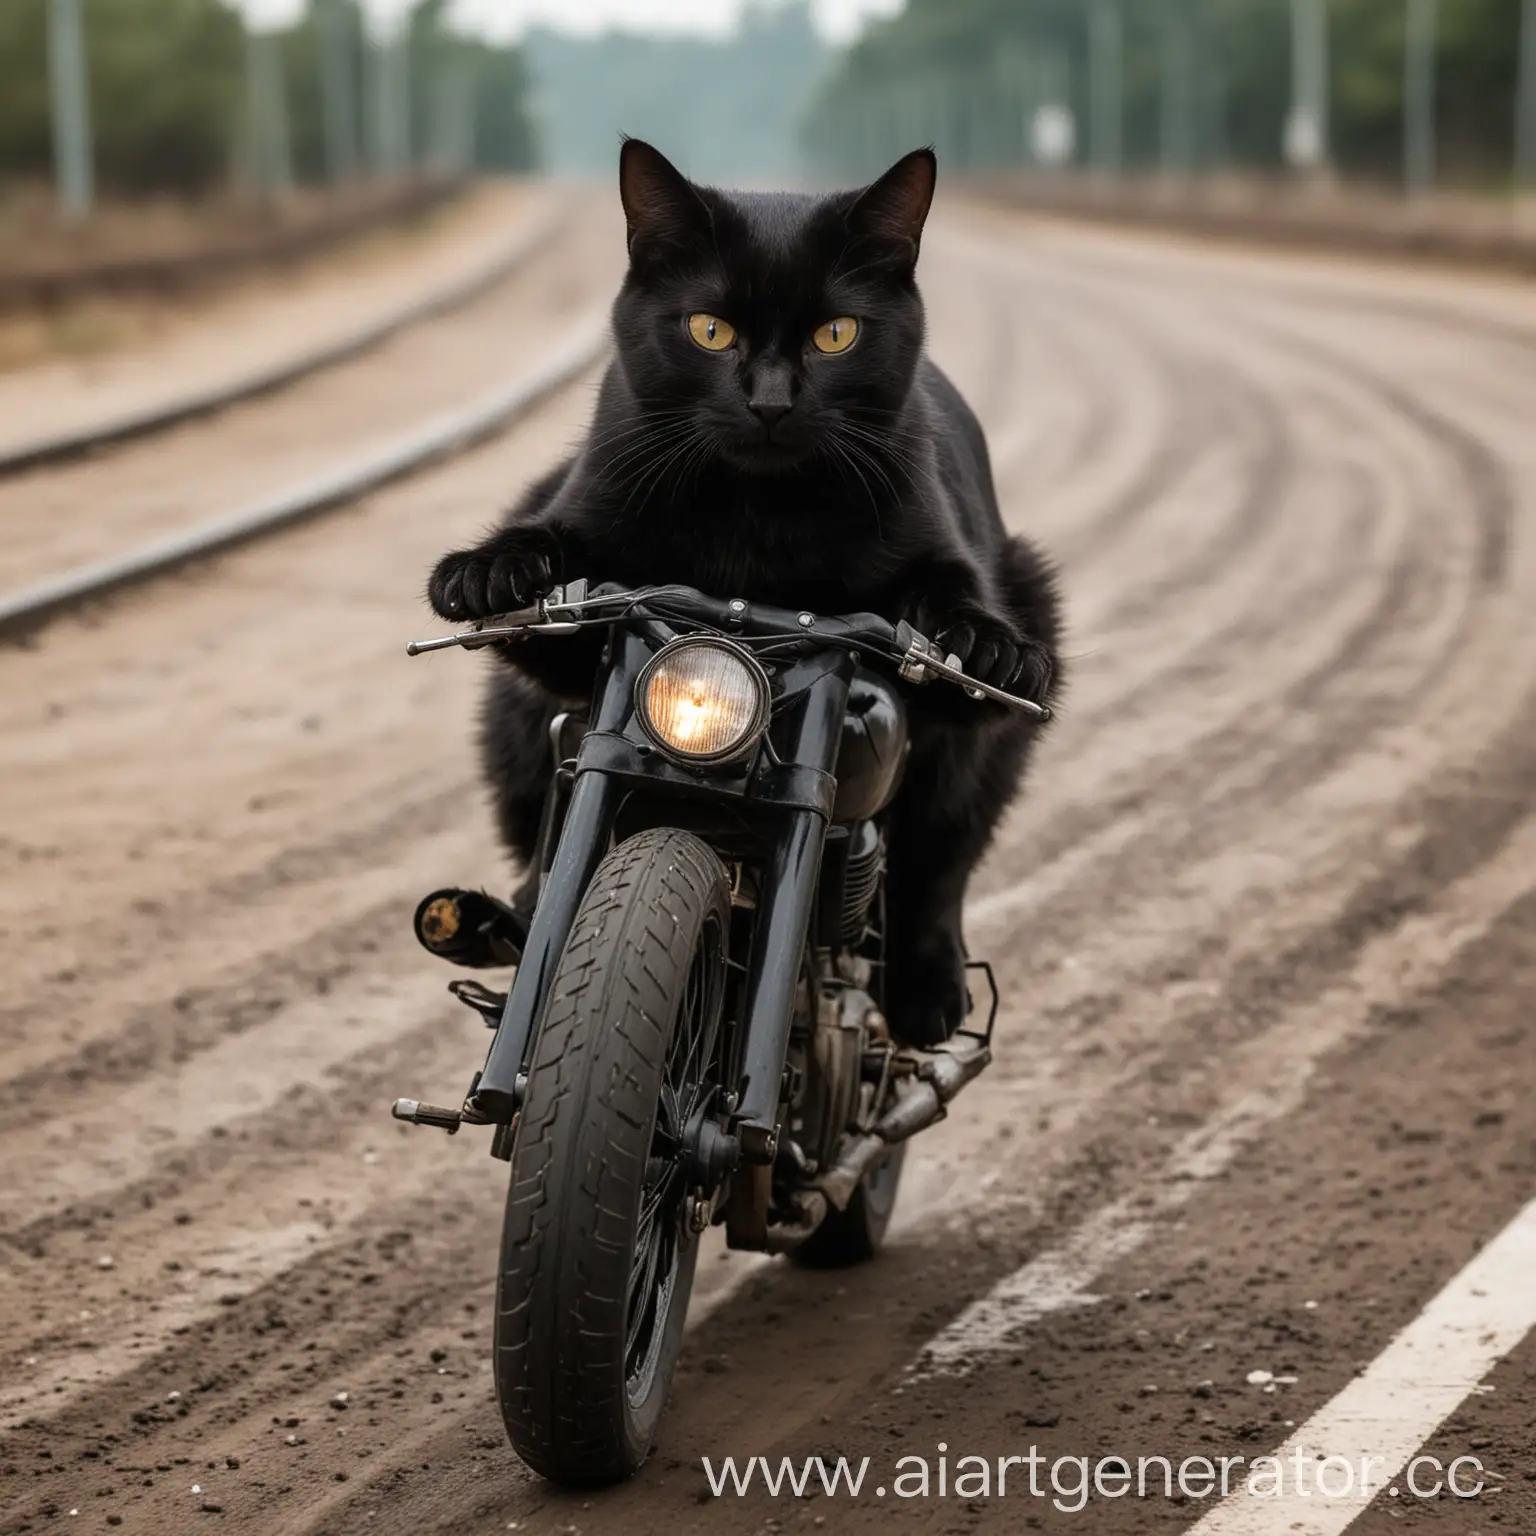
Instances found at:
x=993 y=652
x=498 y=577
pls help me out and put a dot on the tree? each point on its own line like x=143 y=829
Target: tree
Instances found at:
x=168 y=91
x=975 y=56
x=165 y=78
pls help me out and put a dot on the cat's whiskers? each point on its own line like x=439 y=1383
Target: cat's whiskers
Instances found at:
x=883 y=447
x=651 y=477
x=617 y=465
x=642 y=429
x=888 y=447
x=841 y=456
x=693 y=464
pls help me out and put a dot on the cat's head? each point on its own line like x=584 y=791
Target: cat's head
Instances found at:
x=770 y=329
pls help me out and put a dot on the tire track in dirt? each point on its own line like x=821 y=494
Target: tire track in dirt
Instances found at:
x=61 y=516
x=1437 y=858
x=76 y=1069
x=1130 y=1371
x=108 y=1069
x=1357 y=644
x=1437 y=861
x=1068 y=1049
x=312 y=940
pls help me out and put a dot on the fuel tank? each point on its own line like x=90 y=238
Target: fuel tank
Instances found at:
x=873 y=751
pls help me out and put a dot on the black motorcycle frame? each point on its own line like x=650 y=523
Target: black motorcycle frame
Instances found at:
x=774 y=808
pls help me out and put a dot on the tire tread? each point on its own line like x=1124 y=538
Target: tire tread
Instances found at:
x=579 y=1157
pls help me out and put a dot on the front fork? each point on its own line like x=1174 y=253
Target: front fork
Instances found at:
x=584 y=840
x=772 y=979
x=808 y=736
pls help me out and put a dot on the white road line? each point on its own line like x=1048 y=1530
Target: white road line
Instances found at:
x=1061 y=1278
x=1404 y=1395
x=1270 y=1078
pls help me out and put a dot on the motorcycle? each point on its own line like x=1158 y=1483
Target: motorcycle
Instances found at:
x=694 y=1034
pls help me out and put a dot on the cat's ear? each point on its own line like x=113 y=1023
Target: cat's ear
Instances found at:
x=893 y=210
x=661 y=206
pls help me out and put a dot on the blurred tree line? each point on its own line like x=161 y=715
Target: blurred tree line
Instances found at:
x=970 y=74
x=725 y=109
x=170 y=102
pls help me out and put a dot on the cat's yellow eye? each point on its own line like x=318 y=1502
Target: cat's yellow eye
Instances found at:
x=836 y=335
x=711 y=332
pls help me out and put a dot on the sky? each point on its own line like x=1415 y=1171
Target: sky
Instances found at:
x=839 y=20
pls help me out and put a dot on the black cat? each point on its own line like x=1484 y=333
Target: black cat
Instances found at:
x=770 y=428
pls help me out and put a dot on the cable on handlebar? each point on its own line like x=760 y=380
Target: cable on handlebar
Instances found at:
x=683 y=604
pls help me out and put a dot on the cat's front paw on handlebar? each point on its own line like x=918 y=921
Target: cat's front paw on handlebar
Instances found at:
x=497 y=577
x=994 y=652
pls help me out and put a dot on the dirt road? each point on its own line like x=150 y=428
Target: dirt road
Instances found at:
x=123 y=353
x=1265 y=925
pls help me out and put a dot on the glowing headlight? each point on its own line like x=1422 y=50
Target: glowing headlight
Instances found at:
x=702 y=700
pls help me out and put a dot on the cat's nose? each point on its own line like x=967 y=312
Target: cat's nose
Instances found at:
x=773 y=395
x=769 y=412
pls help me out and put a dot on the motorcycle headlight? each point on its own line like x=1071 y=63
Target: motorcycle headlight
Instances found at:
x=702 y=700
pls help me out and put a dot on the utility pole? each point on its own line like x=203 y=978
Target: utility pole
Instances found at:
x=468 y=96
x=1419 y=96
x=1306 y=130
x=1214 y=138
x=267 y=114
x=391 y=104
x=453 y=113
x=338 y=80
x=1106 y=92
x=402 y=128
x=1177 y=126
x=378 y=105
x=72 y=155
x=1525 y=110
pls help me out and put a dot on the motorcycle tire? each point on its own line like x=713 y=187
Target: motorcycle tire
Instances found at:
x=597 y=1253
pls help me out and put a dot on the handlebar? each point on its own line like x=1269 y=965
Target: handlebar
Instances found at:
x=572 y=608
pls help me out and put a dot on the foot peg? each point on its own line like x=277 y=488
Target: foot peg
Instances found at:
x=470 y=928
x=414 y=1112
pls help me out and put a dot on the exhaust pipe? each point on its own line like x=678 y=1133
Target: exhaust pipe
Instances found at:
x=941 y=1075
x=810 y=1210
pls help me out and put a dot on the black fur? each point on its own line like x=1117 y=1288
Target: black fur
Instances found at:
x=856 y=481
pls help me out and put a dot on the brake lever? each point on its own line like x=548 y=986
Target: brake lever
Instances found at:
x=535 y=620
x=487 y=631
x=922 y=662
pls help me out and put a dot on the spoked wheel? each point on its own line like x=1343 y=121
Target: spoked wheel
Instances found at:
x=597 y=1253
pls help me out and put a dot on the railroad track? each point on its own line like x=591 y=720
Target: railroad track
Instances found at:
x=334 y=482
x=1260 y=1133
x=450 y=433
x=58 y=446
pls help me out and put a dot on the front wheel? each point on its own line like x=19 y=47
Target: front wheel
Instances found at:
x=597 y=1253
